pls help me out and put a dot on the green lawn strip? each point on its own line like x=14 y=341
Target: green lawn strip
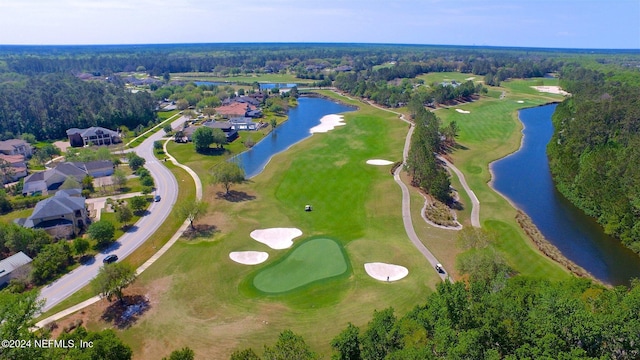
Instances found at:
x=490 y=131
x=439 y=77
x=261 y=78
x=16 y=214
x=146 y=250
x=308 y=262
x=356 y=204
x=164 y=117
x=111 y=217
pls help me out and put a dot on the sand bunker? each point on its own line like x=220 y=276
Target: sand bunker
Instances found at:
x=551 y=89
x=379 y=162
x=470 y=78
x=276 y=238
x=463 y=111
x=385 y=272
x=328 y=122
x=520 y=102
x=249 y=257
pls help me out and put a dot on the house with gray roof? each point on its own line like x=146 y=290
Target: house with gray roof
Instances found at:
x=243 y=123
x=94 y=135
x=63 y=215
x=48 y=181
x=12 y=266
x=226 y=127
x=17 y=168
x=16 y=147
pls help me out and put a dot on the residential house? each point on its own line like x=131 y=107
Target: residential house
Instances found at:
x=94 y=135
x=16 y=147
x=243 y=123
x=63 y=215
x=17 y=169
x=225 y=126
x=235 y=109
x=13 y=266
x=48 y=181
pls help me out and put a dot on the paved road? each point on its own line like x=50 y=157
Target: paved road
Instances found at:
x=475 y=203
x=143 y=267
x=166 y=186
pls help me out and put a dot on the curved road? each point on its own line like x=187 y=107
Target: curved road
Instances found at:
x=166 y=185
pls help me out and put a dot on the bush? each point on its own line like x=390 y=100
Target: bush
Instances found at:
x=25 y=202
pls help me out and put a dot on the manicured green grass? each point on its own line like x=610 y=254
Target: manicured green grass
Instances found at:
x=10 y=216
x=490 y=131
x=311 y=261
x=431 y=78
x=199 y=291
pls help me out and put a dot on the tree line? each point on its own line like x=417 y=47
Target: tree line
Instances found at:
x=47 y=105
x=515 y=318
x=595 y=149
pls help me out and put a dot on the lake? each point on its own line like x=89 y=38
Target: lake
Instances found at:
x=301 y=119
x=524 y=177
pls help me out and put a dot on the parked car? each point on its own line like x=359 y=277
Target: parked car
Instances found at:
x=439 y=268
x=157 y=198
x=110 y=259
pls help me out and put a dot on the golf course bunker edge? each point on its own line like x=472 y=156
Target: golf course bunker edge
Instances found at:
x=311 y=261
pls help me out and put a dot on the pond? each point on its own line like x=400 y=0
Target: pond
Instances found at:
x=301 y=119
x=524 y=177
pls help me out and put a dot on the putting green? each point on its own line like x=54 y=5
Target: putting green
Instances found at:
x=311 y=261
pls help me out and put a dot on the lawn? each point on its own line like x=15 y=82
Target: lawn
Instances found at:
x=431 y=78
x=199 y=291
x=490 y=131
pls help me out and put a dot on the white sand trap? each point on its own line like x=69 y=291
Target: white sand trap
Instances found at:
x=385 y=272
x=551 y=89
x=327 y=123
x=379 y=162
x=463 y=111
x=276 y=238
x=520 y=102
x=470 y=78
x=249 y=257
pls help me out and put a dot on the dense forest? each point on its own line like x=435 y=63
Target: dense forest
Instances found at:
x=595 y=150
x=516 y=318
x=237 y=58
x=47 y=105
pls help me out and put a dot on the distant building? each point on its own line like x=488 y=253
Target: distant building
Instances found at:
x=16 y=147
x=225 y=126
x=63 y=215
x=11 y=266
x=235 y=109
x=243 y=123
x=18 y=168
x=94 y=135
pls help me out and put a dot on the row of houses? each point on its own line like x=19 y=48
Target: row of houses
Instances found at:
x=15 y=152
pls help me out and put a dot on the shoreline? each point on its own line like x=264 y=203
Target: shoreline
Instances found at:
x=297 y=142
x=535 y=235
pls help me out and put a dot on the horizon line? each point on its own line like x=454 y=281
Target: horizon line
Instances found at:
x=322 y=43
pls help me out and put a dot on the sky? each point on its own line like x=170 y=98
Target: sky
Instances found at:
x=598 y=24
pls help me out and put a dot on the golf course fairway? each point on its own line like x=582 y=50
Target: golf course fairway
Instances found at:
x=311 y=261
